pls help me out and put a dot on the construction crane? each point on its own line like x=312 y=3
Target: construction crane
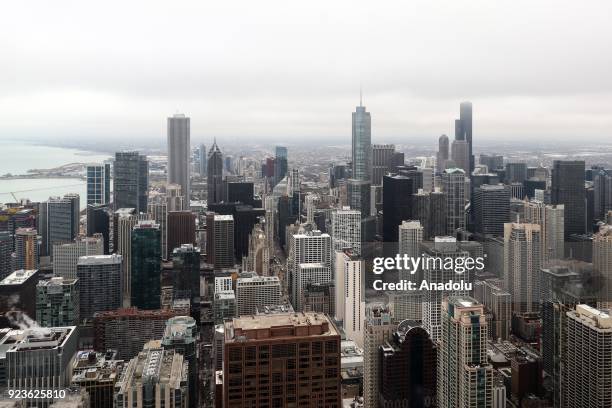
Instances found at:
x=15 y=198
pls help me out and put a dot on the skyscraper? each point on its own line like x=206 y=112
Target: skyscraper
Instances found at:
x=130 y=181
x=181 y=229
x=602 y=262
x=202 y=156
x=586 y=375
x=453 y=186
x=98 y=184
x=220 y=240
x=551 y=219
x=145 y=286
x=465 y=378
x=460 y=154
x=358 y=195
x=346 y=229
x=62 y=220
x=6 y=250
x=306 y=247
x=214 y=177
x=362 y=144
x=285 y=371
x=568 y=189
x=281 y=165
x=66 y=256
x=350 y=297
x=491 y=209
x=522 y=246
x=27 y=245
x=181 y=335
x=155 y=377
x=99 y=222
x=408 y=368
x=256 y=292
x=99 y=284
x=57 y=302
x=463 y=130
x=186 y=273
x=379 y=328
x=397 y=204
x=382 y=156
x=442 y=155
x=179 y=153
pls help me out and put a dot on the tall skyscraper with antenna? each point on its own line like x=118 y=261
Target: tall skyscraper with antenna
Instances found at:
x=362 y=143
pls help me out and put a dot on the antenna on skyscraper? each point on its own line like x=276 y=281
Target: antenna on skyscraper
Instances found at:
x=360 y=95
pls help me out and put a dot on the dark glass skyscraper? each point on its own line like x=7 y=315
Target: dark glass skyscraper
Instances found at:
x=98 y=222
x=98 y=184
x=491 y=209
x=568 y=189
x=397 y=204
x=146 y=266
x=131 y=181
x=280 y=164
x=186 y=277
x=214 y=178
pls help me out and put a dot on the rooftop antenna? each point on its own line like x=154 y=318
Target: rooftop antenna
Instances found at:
x=360 y=95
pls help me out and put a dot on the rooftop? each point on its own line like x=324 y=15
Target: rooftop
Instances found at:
x=18 y=277
x=100 y=259
x=278 y=325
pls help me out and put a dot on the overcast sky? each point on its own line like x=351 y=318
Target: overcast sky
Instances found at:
x=285 y=70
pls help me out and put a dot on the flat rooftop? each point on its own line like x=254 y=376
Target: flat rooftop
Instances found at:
x=18 y=277
x=278 y=325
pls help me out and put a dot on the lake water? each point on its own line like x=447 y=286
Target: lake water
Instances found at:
x=19 y=157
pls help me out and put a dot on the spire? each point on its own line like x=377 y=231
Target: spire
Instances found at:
x=360 y=96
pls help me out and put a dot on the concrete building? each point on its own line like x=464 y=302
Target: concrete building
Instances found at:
x=255 y=292
x=154 y=378
x=346 y=229
x=97 y=373
x=40 y=358
x=27 y=248
x=127 y=330
x=224 y=306
x=284 y=368
x=179 y=153
x=220 y=240
x=465 y=378
x=378 y=329
x=57 y=302
x=454 y=188
x=181 y=335
x=350 y=298
x=586 y=376
x=522 y=246
x=66 y=256
x=18 y=293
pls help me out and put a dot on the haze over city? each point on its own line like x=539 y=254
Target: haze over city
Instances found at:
x=277 y=71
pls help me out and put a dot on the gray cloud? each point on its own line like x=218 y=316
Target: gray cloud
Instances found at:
x=278 y=69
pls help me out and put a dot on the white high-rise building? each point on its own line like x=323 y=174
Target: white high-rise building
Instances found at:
x=309 y=273
x=551 y=219
x=306 y=247
x=602 y=262
x=66 y=256
x=410 y=238
x=586 y=375
x=223 y=283
x=454 y=187
x=257 y=292
x=522 y=246
x=350 y=304
x=310 y=202
x=465 y=378
x=378 y=329
x=441 y=248
x=179 y=152
x=346 y=229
